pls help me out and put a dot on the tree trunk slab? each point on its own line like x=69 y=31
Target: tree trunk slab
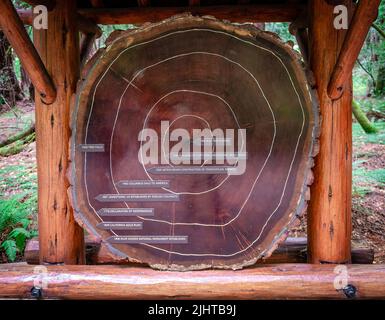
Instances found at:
x=192 y=73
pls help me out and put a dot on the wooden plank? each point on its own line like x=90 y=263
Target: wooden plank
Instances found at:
x=14 y=30
x=363 y=18
x=243 y=13
x=293 y=250
x=329 y=218
x=285 y=281
x=61 y=239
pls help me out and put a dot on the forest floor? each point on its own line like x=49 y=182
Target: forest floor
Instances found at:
x=18 y=182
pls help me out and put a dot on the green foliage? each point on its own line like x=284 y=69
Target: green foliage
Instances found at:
x=18 y=206
x=363 y=179
x=370 y=67
x=10 y=248
x=359 y=136
x=282 y=29
x=15 y=219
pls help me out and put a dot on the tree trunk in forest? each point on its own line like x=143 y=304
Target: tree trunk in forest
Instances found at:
x=26 y=85
x=9 y=86
x=362 y=119
x=380 y=83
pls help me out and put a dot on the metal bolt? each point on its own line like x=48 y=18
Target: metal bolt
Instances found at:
x=36 y=293
x=350 y=291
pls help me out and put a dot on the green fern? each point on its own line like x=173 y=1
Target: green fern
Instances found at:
x=10 y=248
x=18 y=206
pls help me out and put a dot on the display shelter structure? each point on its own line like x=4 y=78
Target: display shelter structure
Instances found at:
x=54 y=60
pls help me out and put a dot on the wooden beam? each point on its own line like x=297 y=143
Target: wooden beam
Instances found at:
x=143 y=3
x=97 y=3
x=87 y=26
x=14 y=30
x=293 y=250
x=299 y=29
x=50 y=4
x=286 y=281
x=329 y=214
x=84 y=24
x=363 y=18
x=194 y=3
x=88 y=40
x=244 y=13
x=61 y=239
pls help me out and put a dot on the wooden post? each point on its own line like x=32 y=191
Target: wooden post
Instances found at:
x=364 y=16
x=61 y=239
x=329 y=218
x=14 y=30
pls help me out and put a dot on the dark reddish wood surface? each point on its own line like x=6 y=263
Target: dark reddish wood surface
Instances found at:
x=197 y=67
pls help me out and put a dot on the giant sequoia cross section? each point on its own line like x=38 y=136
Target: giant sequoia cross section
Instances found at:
x=195 y=74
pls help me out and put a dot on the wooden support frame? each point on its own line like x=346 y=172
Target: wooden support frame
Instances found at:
x=329 y=215
x=285 y=281
x=61 y=238
x=364 y=16
x=14 y=30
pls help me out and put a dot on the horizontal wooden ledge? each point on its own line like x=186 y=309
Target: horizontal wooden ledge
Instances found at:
x=234 y=13
x=239 y=13
x=292 y=250
x=286 y=281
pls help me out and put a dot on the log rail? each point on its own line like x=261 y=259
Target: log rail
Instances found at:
x=285 y=281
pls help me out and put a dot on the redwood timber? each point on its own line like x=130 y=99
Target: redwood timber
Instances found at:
x=240 y=13
x=17 y=36
x=363 y=18
x=329 y=216
x=285 y=281
x=60 y=237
